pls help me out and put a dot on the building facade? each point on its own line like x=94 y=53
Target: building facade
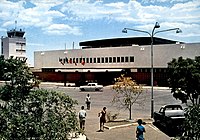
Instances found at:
x=14 y=44
x=104 y=60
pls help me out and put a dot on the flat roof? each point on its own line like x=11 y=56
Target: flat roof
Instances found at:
x=116 y=42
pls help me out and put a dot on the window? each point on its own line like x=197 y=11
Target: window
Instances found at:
x=122 y=59
x=118 y=59
x=95 y=60
x=110 y=59
x=114 y=59
x=102 y=59
x=76 y=60
x=70 y=60
x=90 y=60
x=126 y=59
x=20 y=50
x=20 y=43
x=106 y=60
x=98 y=60
x=131 y=58
x=87 y=60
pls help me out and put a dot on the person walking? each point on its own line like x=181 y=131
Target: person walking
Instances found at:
x=102 y=115
x=88 y=101
x=140 y=130
x=82 y=117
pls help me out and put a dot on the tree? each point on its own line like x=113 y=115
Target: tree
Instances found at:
x=127 y=91
x=191 y=125
x=184 y=79
x=33 y=114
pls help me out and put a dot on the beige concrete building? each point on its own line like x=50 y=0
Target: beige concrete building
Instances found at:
x=114 y=56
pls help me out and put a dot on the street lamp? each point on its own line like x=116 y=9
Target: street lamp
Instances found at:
x=125 y=30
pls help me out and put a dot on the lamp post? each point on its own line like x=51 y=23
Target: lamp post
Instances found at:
x=152 y=34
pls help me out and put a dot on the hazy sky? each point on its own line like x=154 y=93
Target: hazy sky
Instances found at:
x=56 y=24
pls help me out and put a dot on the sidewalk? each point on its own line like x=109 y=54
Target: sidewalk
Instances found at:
x=119 y=133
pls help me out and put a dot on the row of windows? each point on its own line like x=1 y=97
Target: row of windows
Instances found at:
x=144 y=70
x=20 y=43
x=98 y=60
x=20 y=50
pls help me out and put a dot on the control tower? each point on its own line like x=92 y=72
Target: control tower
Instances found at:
x=14 y=44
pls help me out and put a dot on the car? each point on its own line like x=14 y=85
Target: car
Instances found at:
x=91 y=87
x=171 y=117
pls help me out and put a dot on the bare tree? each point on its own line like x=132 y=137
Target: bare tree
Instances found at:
x=127 y=92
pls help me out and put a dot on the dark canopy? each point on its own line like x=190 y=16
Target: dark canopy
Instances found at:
x=116 y=42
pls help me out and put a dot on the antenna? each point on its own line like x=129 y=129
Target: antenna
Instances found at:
x=73 y=45
x=15 y=24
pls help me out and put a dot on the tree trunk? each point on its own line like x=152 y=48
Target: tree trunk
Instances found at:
x=130 y=112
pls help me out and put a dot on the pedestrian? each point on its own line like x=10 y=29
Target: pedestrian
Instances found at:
x=102 y=115
x=82 y=117
x=88 y=101
x=140 y=130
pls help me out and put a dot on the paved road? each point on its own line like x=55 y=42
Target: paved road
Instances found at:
x=100 y=99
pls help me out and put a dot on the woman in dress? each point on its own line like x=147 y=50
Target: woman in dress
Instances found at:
x=102 y=116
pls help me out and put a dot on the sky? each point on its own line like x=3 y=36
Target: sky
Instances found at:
x=62 y=24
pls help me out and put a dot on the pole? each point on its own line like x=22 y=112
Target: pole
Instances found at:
x=152 y=98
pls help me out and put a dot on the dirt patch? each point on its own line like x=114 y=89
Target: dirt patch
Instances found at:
x=117 y=123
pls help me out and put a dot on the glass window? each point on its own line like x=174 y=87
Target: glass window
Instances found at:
x=70 y=60
x=76 y=60
x=102 y=59
x=110 y=59
x=90 y=60
x=131 y=58
x=95 y=60
x=98 y=60
x=122 y=59
x=126 y=59
x=114 y=59
x=106 y=60
x=118 y=59
x=87 y=60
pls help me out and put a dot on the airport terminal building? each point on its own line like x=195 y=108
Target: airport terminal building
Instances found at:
x=103 y=60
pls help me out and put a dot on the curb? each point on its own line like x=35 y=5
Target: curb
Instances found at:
x=132 y=122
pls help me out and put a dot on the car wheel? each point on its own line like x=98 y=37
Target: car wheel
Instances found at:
x=82 y=89
x=96 y=89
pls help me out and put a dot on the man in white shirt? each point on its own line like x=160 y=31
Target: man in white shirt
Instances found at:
x=88 y=101
x=82 y=117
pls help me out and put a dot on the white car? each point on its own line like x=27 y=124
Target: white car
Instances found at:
x=91 y=87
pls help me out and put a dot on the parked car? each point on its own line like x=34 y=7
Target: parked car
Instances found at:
x=171 y=117
x=91 y=87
